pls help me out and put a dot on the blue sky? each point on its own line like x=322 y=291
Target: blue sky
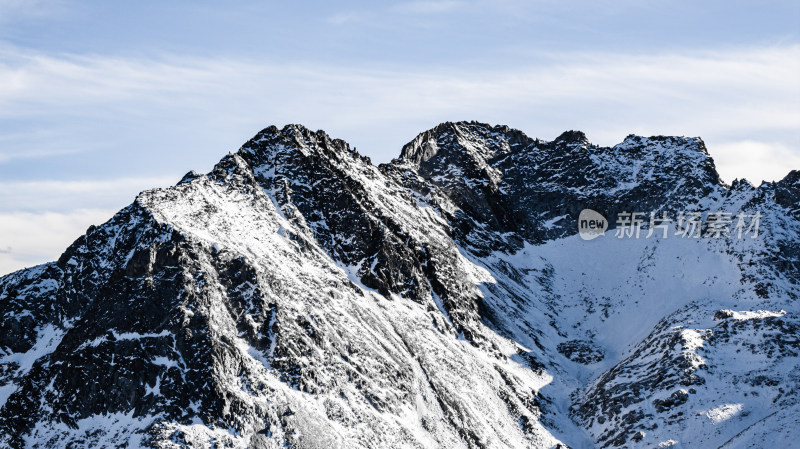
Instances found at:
x=99 y=100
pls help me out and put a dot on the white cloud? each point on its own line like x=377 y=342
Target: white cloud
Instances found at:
x=19 y=9
x=382 y=16
x=31 y=237
x=64 y=196
x=772 y=160
x=735 y=95
x=342 y=18
x=427 y=7
x=32 y=154
x=741 y=93
x=28 y=239
x=29 y=82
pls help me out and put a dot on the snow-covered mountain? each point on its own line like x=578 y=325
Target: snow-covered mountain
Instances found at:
x=299 y=296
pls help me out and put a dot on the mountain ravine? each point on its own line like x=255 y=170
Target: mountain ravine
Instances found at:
x=300 y=296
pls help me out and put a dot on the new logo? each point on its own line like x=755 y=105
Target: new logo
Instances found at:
x=591 y=224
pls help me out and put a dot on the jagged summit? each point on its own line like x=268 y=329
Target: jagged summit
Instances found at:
x=505 y=180
x=426 y=144
x=482 y=144
x=572 y=137
x=787 y=192
x=299 y=138
x=299 y=296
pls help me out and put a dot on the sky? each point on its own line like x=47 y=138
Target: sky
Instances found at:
x=100 y=100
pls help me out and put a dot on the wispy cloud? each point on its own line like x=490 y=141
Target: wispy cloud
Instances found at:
x=342 y=18
x=767 y=161
x=40 y=238
x=427 y=7
x=29 y=82
x=39 y=219
x=33 y=153
x=743 y=102
x=377 y=16
x=21 y=9
x=724 y=97
x=64 y=196
x=730 y=96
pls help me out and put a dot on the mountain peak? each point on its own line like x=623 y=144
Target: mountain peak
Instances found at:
x=295 y=138
x=467 y=137
x=572 y=137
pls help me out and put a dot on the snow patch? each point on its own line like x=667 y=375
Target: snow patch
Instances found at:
x=48 y=339
x=754 y=314
x=724 y=412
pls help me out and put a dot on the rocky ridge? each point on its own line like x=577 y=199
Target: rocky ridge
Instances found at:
x=298 y=295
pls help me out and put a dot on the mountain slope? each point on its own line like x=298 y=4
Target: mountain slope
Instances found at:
x=299 y=295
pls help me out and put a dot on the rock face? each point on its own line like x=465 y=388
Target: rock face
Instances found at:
x=299 y=296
